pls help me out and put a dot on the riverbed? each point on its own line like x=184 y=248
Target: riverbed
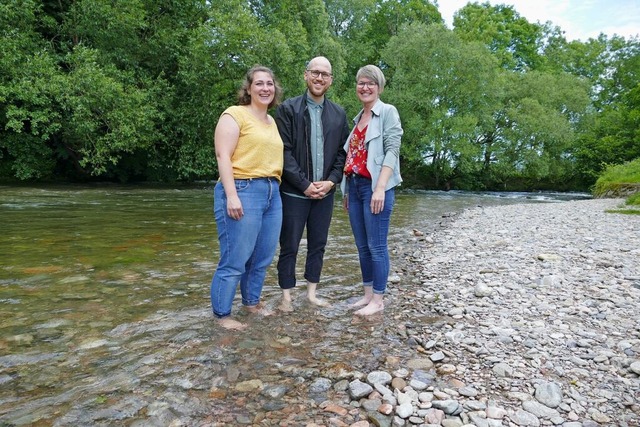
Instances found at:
x=104 y=304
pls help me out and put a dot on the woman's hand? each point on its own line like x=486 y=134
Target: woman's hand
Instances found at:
x=234 y=207
x=377 y=198
x=377 y=201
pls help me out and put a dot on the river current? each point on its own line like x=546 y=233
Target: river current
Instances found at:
x=94 y=280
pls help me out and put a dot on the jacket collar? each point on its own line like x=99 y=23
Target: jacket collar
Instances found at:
x=376 y=110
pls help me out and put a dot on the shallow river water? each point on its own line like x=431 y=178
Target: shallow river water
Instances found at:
x=105 y=318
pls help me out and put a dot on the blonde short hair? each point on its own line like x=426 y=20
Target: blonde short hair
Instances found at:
x=373 y=73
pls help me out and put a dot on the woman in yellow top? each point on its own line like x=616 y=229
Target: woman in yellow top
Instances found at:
x=247 y=204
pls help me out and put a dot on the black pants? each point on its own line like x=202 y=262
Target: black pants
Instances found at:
x=299 y=213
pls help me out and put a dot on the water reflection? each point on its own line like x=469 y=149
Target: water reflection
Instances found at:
x=101 y=288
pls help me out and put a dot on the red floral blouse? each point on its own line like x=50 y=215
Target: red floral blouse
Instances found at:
x=357 y=156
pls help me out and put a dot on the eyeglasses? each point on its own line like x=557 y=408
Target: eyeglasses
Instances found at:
x=368 y=85
x=315 y=74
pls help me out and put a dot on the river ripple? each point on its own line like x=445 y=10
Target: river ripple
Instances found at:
x=104 y=306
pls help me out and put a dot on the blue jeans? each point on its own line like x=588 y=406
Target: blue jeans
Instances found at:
x=370 y=232
x=247 y=245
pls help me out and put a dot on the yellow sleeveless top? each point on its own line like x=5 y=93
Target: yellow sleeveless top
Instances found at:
x=259 y=153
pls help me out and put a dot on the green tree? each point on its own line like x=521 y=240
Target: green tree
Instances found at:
x=610 y=137
x=610 y=134
x=105 y=117
x=475 y=124
x=510 y=37
x=582 y=59
x=388 y=17
x=446 y=90
x=29 y=82
x=537 y=122
x=217 y=56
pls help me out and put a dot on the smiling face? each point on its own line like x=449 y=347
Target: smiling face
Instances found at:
x=262 y=89
x=318 y=77
x=370 y=83
x=367 y=90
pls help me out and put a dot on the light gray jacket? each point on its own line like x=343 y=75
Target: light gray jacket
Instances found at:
x=384 y=134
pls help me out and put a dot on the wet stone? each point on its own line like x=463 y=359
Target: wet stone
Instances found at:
x=379 y=377
x=274 y=405
x=320 y=385
x=524 y=418
x=379 y=420
x=549 y=394
x=275 y=391
x=371 y=404
x=358 y=389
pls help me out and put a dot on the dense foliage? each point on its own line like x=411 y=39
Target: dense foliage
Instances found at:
x=131 y=91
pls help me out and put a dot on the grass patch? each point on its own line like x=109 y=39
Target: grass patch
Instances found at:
x=633 y=200
x=631 y=206
x=620 y=181
x=616 y=177
x=624 y=211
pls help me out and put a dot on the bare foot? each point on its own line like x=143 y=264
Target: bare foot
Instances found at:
x=229 y=323
x=317 y=301
x=286 y=306
x=361 y=302
x=371 y=308
x=259 y=308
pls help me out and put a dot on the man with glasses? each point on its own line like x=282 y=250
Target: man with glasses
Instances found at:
x=314 y=131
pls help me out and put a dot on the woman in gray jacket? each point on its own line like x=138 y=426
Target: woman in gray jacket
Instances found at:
x=372 y=171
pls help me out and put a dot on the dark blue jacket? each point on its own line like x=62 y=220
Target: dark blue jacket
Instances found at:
x=294 y=125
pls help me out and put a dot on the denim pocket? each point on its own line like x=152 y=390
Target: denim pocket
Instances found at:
x=242 y=184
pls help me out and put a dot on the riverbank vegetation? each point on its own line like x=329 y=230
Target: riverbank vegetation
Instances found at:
x=621 y=181
x=131 y=91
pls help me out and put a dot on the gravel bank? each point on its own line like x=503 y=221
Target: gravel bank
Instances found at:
x=539 y=320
